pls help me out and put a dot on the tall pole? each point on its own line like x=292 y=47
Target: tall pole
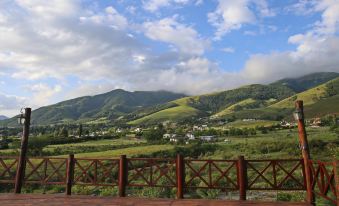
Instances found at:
x=70 y=174
x=20 y=173
x=242 y=177
x=180 y=173
x=305 y=150
x=123 y=175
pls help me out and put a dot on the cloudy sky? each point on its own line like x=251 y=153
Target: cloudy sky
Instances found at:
x=59 y=49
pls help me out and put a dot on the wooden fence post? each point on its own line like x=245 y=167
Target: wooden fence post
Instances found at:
x=123 y=175
x=180 y=172
x=20 y=173
x=242 y=177
x=299 y=117
x=70 y=174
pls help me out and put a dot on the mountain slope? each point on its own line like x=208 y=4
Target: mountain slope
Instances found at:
x=306 y=82
x=110 y=105
x=273 y=101
x=318 y=101
x=205 y=105
x=3 y=117
x=311 y=96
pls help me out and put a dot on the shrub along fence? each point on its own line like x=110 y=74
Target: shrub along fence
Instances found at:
x=183 y=174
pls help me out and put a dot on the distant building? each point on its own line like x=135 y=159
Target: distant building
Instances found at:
x=137 y=129
x=190 y=136
x=209 y=138
x=168 y=136
x=248 y=120
x=316 y=122
x=200 y=128
x=286 y=124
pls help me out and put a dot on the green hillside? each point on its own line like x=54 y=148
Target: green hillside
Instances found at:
x=252 y=96
x=111 y=106
x=274 y=101
x=311 y=96
x=306 y=82
x=318 y=101
x=245 y=104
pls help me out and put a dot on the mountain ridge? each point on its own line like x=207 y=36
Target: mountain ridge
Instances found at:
x=3 y=117
x=144 y=107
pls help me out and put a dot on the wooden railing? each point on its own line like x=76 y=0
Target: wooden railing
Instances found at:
x=184 y=174
x=325 y=180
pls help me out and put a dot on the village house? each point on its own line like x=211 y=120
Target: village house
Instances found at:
x=286 y=124
x=168 y=136
x=209 y=138
x=138 y=129
x=190 y=136
x=200 y=128
x=176 y=139
x=316 y=122
x=248 y=120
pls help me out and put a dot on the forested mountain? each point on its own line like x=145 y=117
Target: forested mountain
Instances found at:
x=110 y=105
x=3 y=117
x=274 y=101
x=307 y=82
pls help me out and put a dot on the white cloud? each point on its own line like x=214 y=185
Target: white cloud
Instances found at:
x=228 y=50
x=302 y=7
x=184 y=38
x=42 y=93
x=317 y=50
x=59 y=39
x=110 y=17
x=232 y=15
x=87 y=89
x=10 y=104
x=154 y=5
x=38 y=43
x=196 y=75
x=11 y=101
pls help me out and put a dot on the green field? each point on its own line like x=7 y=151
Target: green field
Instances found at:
x=104 y=142
x=130 y=152
x=324 y=145
x=251 y=124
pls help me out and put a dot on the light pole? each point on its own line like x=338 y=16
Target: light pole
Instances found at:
x=305 y=150
x=25 y=119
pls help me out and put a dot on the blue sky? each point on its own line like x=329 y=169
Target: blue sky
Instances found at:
x=61 y=49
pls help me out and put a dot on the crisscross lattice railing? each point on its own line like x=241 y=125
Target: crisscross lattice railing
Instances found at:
x=96 y=172
x=275 y=175
x=153 y=172
x=183 y=174
x=211 y=174
x=46 y=170
x=8 y=167
x=323 y=180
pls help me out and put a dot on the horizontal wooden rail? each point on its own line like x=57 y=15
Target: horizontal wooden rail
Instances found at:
x=227 y=175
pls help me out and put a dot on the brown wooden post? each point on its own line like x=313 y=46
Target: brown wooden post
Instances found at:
x=20 y=173
x=336 y=178
x=242 y=177
x=123 y=175
x=180 y=172
x=70 y=174
x=299 y=117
